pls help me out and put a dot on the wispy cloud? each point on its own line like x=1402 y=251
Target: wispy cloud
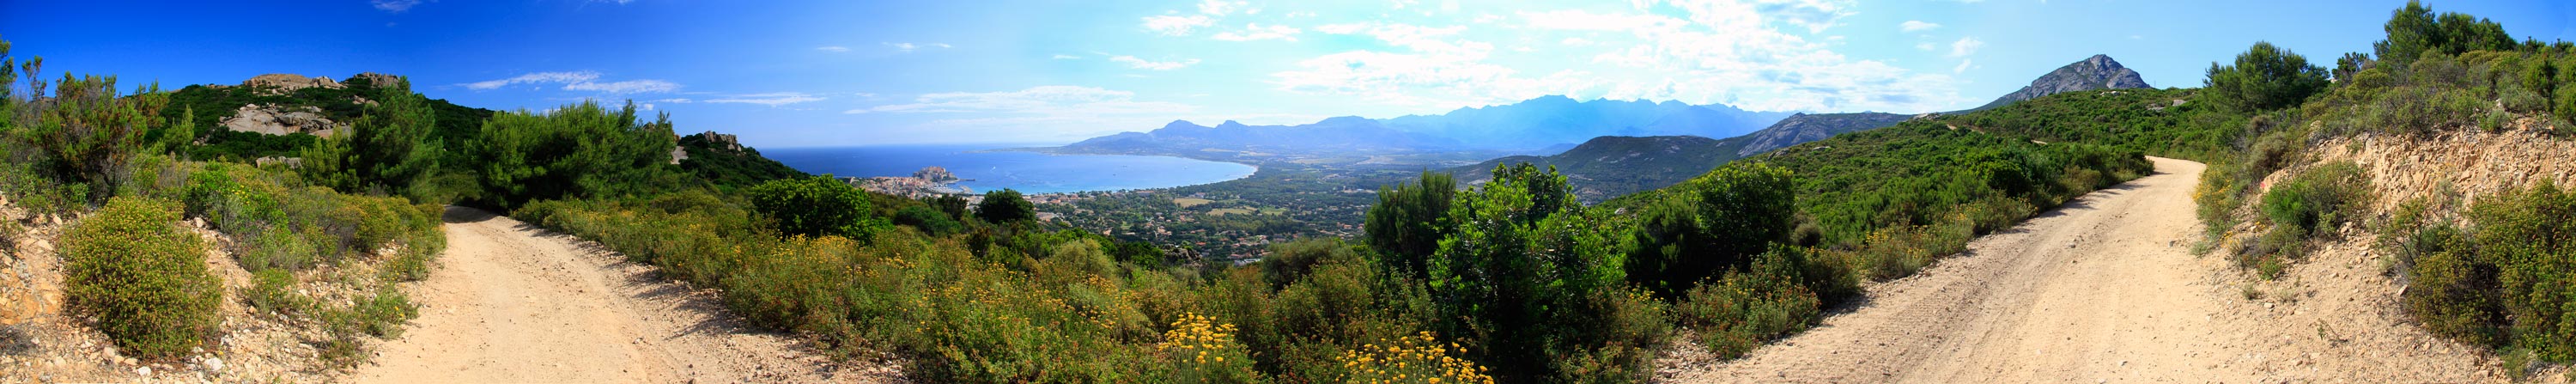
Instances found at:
x=1917 y=26
x=773 y=99
x=578 y=81
x=1133 y=62
x=395 y=6
x=1754 y=54
x=538 y=77
x=1965 y=46
x=1255 y=31
x=909 y=47
x=623 y=87
x=1067 y=57
x=832 y=48
x=1177 y=25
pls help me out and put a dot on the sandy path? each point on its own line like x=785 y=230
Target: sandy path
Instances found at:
x=2103 y=289
x=513 y=303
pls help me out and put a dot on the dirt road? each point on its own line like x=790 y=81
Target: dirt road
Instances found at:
x=512 y=303
x=2103 y=290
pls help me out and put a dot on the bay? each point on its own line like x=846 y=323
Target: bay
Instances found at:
x=1027 y=172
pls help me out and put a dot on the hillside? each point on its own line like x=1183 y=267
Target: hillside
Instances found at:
x=276 y=114
x=1805 y=128
x=1610 y=166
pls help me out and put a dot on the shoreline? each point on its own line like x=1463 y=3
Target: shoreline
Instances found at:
x=912 y=187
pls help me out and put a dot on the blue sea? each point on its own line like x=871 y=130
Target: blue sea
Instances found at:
x=1026 y=172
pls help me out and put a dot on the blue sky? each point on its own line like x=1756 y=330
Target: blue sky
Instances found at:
x=824 y=73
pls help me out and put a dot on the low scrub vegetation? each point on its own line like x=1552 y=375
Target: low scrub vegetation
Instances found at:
x=2313 y=203
x=2503 y=281
x=131 y=268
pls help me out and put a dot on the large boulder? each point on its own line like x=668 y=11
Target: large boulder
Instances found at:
x=276 y=120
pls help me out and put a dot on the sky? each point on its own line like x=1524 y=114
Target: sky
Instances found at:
x=842 y=73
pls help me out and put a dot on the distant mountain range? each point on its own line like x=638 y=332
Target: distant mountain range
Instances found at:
x=1609 y=167
x=1536 y=123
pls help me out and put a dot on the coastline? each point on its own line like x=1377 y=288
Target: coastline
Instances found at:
x=839 y=161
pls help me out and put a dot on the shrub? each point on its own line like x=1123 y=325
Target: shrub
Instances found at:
x=2265 y=77
x=142 y=279
x=1005 y=206
x=2312 y=203
x=817 y=206
x=928 y=220
x=1410 y=219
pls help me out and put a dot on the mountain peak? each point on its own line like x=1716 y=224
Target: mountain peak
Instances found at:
x=1182 y=124
x=2097 y=72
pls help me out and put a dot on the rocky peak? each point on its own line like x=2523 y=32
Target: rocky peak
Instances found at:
x=2097 y=72
x=283 y=83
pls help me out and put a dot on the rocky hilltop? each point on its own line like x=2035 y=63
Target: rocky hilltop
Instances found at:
x=1805 y=128
x=2097 y=72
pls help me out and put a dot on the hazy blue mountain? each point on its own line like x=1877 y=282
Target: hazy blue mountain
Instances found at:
x=1544 y=122
x=1552 y=120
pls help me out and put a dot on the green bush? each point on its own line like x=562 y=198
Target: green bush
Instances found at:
x=1005 y=206
x=2265 y=77
x=1734 y=314
x=144 y=281
x=817 y=206
x=2311 y=203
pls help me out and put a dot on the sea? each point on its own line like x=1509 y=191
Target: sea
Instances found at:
x=1027 y=172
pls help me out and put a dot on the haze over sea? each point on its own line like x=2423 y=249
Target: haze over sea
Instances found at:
x=1026 y=172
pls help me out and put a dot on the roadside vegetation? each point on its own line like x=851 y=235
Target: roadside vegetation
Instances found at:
x=135 y=271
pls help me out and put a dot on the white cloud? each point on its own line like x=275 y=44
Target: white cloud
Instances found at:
x=832 y=48
x=395 y=6
x=676 y=100
x=1173 y=25
x=621 y=87
x=770 y=99
x=1255 y=31
x=538 y=77
x=1067 y=57
x=1965 y=46
x=578 y=81
x=1587 y=21
x=1917 y=26
x=1964 y=65
x=1218 y=8
x=1133 y=62
x=1754 y=54
x=1926 y=47
x=909 y=47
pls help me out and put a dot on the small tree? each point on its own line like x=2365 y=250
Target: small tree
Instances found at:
x=1005 y=206
x=817 y=206
x=1409 y=220
x=2265 y=77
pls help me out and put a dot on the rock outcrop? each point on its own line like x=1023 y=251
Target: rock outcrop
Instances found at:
x=375 y=79
x=719 y=140
x=935 y=174
x=284 y=83
x=280 y=120
x=2097 y=72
